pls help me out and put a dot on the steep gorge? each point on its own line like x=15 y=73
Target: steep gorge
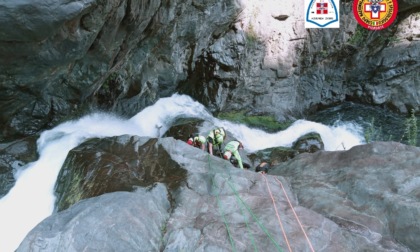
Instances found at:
x=60 y=59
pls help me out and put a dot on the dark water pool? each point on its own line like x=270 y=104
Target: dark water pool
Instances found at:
x=378 y=124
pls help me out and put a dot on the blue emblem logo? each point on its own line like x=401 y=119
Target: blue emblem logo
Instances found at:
x=322 y=14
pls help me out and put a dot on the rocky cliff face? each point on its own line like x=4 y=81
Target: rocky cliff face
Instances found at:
x=60 y=58
x=271 y=63
x=363 y=199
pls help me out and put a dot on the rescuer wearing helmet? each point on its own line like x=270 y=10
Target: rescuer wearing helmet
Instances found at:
x=197 y=141
x=216 y=137
x=263 y=168
x=232 y=148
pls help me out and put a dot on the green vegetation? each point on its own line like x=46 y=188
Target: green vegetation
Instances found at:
x=410 y=135
x=393 y=39
x=383 y=38
x=110 y=82
x=386 y=39
x=163 y=229
x=372 y=133
x=251 y=36
x=323 y=53
x=411 y=129
x=359 y=35
x=265 y=122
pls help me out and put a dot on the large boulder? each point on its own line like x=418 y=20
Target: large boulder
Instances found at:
x=119 y=221
x=373 y=189
x=183 y=128
x=309 y=143
x=221 y=208
x=100 y=166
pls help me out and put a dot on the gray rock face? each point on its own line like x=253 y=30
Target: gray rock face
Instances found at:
x=119 y=221
x=13 y=158
x=364 y=199
x=29 y=21
x=373 y=189
x=60 y=58
x=360 y=65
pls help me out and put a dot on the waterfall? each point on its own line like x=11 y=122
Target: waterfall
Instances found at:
x=32 y=198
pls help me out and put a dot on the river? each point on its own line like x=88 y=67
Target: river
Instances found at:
x=32 y=198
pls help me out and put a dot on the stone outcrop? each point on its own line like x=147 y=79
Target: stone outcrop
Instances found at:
x=111 y=222
x=310 y=143
x=183 y=128
x=363 y=199
x=101 y=166
x=13 y=157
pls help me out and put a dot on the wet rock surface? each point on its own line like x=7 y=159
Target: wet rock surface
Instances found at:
x=308 y=143
x=124 y=163
x=363 y=199
x=182 y=129
x=13 y=158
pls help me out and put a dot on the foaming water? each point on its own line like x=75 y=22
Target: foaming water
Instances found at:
x=32 y=198
x=339 y=137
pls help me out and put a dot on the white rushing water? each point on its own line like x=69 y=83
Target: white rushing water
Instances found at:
x=32 y=198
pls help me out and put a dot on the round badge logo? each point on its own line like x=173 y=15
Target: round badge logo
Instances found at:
x=375 y=14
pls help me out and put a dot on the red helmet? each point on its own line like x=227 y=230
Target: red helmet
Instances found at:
x=190 y=141
x=227 y=155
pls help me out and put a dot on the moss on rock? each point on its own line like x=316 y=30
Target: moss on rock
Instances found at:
x=264 y=122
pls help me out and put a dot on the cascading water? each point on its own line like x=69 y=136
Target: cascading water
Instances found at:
x=32 y=198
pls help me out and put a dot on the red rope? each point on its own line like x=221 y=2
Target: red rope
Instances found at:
x=277 y=213
x=297 y=218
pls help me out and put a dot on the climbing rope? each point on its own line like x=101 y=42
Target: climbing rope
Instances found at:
x=250 y=211
x=256 y=218
x=247 y=227
x=277 y=213
x=294 y=212
x=219 y=203
x=246 y=221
